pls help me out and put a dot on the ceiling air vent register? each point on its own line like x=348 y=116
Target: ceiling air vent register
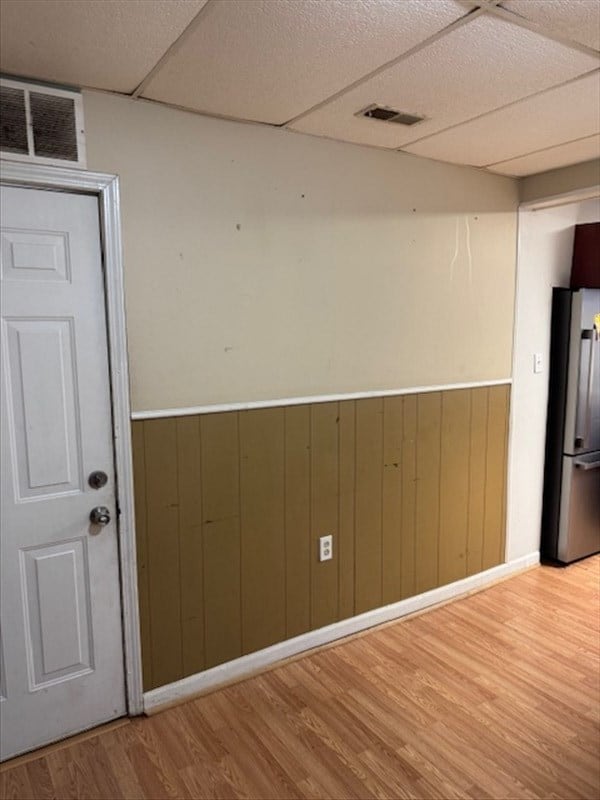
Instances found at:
x=41 y=124
x=386 y=114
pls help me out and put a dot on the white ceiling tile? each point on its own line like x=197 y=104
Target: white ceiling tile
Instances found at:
x=561 y=156
x=479 y=66
x=270 y=61
x=106 y=44
x=578 y=20
x=559 y=115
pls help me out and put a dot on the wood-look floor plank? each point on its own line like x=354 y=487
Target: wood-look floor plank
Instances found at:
x=469 y=700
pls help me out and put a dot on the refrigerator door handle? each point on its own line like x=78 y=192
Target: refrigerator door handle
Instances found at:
x=585 y=465
x=588 y=335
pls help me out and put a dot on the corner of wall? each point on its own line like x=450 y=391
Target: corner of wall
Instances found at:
x=560 y=181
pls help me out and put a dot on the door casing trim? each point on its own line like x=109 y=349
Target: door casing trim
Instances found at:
x=106 y=188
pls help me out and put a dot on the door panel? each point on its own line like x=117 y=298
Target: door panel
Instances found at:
x=579 y=531
x=55 y=586
x=34 y=255
x=60 y=597
x=42 y=406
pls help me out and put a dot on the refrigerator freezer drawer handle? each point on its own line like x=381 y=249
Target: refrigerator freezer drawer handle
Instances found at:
x=585 y=465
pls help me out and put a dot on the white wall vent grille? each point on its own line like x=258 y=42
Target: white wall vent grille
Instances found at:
x=41 y=124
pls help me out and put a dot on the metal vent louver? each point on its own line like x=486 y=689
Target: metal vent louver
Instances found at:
x=41 y=124
x=386 y=114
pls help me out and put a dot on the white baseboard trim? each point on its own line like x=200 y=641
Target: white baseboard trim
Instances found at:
x=246 y=665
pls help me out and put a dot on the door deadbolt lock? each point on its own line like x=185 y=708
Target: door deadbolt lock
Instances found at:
x=97 y=479
x=100 y=515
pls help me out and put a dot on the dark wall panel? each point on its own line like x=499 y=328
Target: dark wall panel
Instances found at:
x=230 y=508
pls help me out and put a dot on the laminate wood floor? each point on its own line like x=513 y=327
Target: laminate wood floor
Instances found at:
x=494 y=695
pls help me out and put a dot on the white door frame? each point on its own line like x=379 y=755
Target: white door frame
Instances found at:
x=106 y=188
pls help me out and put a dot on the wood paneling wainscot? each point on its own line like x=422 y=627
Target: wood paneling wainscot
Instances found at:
x=230 y=507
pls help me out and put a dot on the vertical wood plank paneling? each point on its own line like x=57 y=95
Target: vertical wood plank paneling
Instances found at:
x=347 y=482
x=324 y=511
x=369 y=468
x=190 y=541
x=297 y=519
x=160 y=444
x=454 y=485
x=141 y=537
x=392 y=499
x=495 y=486
x=262 y=527
x=230 y=508
x=409 y=497
x=429 y=407
x=221 y=537
x=478 y=457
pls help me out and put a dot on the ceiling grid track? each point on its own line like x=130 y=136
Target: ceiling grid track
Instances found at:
x=173 y=48
x=492 y=82
x=541 y=150
x=501 y=108
x=476 y=12
x=541 y=30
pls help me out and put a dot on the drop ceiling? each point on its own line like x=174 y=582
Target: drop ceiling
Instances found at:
x=512 y=87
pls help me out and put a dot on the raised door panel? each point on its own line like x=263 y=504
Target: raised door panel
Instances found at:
x=43 y=407
x=55 y=586
x=35 y=255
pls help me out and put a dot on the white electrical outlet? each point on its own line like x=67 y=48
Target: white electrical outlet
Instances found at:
x=326 y=548
x=538 y=363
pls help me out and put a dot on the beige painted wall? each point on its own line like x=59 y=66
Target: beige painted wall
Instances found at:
x=560 y=181
x=262 y=264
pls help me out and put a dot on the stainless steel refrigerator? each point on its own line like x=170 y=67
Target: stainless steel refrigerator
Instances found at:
x=571 y=510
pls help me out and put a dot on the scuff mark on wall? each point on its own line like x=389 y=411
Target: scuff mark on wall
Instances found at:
x=469 y=251
x=457 y=249
x=455 y=256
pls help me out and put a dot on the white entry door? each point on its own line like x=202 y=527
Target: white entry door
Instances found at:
x=60 y=613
